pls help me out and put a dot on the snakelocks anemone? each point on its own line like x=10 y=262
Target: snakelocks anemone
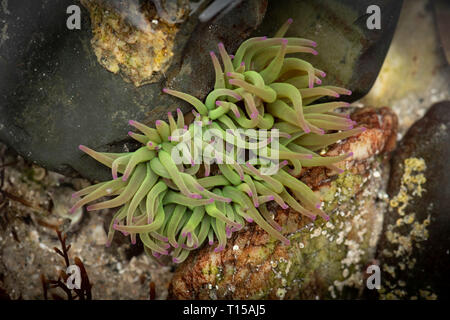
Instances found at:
x=262 y=103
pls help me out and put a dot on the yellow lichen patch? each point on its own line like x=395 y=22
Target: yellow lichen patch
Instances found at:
x=139 y=49
x=404 y=243
x=411 y=184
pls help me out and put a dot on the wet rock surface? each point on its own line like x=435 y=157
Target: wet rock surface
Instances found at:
x=414 y=251
x=55 y=95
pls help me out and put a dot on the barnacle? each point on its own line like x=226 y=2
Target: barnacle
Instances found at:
x=175 y=206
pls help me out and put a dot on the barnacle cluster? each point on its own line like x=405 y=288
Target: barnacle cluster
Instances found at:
x=175 y=207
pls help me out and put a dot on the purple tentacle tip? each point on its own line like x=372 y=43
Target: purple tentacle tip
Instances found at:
x=131 y=122
x=318 y=205
x=81 y=147
x=350 y=154
x=290 y=20
x=211 y=200
x=287 y=242
x=254 y=115
x=133 y=241
x=284 y=206
x=327 y=218
x=107 y=244
x=313 y=218
x=175 y=260
x=363 y=129
x=165 y=90
x=210 y=242
x=212 y=54
x=130 y=133
x=314 y=52
x=220 y=45
x=158 y=122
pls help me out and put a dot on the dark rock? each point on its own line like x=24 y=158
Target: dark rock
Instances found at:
x=350 y=53
x=414 y=248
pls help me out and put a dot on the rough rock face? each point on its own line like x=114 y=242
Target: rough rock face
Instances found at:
x=325 y=259
x=414 y=247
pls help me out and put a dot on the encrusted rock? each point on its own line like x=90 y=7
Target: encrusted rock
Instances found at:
x=325 y=259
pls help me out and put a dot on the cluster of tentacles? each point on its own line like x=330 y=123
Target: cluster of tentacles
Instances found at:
x=175 y=208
